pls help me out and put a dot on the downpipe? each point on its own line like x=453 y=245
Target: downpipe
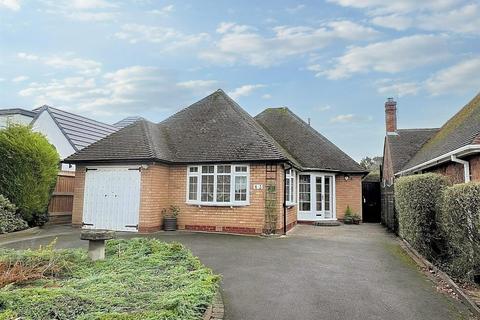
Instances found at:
x=466 y=167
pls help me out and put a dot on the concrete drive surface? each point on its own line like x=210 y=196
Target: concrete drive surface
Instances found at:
x=346 y=272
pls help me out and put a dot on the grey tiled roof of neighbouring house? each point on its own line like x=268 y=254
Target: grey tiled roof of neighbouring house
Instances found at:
x=303 y=143
x=210 y=130
x=405 y=144
x=127 y=121
x=79 y=131
x=21 y=111
x=461 y=130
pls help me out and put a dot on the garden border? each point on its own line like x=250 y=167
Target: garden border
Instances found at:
x=216 y=310
x=422 y=262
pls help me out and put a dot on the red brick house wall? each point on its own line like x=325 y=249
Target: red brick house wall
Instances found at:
x=455 y=171
x=348 y=193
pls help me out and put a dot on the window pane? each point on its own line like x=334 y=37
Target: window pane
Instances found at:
x=208 y=169
x=192 y=188
x=304 y=192
x=240 y=168
x=223 y=169
x=207 y=188
x=223 y=188
x=241 y=188
x=287 y=189
x=193 y=169
x=319 y=193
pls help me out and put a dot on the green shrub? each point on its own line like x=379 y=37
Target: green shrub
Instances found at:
x=9 y=220
x=28 y=171
x=460 y=222
x=418 y=201
x=139 y=279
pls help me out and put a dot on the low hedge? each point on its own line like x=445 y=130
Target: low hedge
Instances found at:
x=418 y=202
x=139 y=279
x=10 y=221
x=460 y=222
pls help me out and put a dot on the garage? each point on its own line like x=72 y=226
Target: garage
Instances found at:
x=112 y=198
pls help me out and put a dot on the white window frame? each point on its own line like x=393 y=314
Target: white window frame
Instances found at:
x=291 y=175
x=233 y=174
x=313 y=196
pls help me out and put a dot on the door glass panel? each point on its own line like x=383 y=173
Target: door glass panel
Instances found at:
x=328 y=181
x=318 y=186
x=304 y=192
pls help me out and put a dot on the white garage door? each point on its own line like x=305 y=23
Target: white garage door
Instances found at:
x=112 y=199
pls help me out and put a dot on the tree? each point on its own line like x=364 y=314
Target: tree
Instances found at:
x=28 y=170
x=372 y=164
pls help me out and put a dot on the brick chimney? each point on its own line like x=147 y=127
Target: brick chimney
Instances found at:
x=391 y=115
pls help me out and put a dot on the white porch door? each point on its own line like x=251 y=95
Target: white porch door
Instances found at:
x=316 y=197
x=111 y=199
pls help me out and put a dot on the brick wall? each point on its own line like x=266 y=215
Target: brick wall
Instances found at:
x=241 y=219
x=387 y=167
x=348 y=193
x=79 y=185
x=153 y=196
x=455 y=171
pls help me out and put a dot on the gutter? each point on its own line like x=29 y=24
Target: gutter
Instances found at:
x=466 y=150
x=466 y=167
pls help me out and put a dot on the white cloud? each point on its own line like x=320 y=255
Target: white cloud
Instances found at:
x=240 y=43
x=403 y=6
x=128 y=91
x=349 y=118
x=192 y=84
x=267 y=96
x=295 y=9
x=397 y=88
x=82 y=66
x=465 y=19
x=10 y=4
x=20 y=79
x=83 y=10
x=244 y=90
x=323 y=108
x=168 y=37
x=390 y=56
x=163 y=11
x=393 y=21
x=459 y=78
x=27 y=56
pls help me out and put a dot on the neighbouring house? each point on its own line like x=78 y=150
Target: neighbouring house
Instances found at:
x=452 y=150
x=127 y=121
x=16 y=115
x=68 y=133
x=224 y=169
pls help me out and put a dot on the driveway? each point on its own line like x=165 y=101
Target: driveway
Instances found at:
x=346 y=272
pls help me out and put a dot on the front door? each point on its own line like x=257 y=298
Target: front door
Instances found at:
x=316 y=197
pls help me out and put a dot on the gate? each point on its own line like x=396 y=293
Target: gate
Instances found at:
x=61 y=203
x=371 y=205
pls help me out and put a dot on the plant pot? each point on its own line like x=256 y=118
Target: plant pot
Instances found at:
x=347 y=221
x=170 y=223
x=356 y=221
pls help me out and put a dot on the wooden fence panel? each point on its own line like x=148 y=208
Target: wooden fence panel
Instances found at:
x=61 y=203
x=389 y=216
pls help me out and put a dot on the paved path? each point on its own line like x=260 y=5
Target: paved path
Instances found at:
x=346 y=272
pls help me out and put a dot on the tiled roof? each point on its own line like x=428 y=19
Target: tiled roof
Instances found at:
x=210 y=130
x=24 y=112
x=80 y=131
x=303 y=143
x=461 y=130
x=127 y=121
x=405 y=144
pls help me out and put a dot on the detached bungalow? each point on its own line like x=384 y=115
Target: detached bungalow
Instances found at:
x=227 y=171
x=452 y=150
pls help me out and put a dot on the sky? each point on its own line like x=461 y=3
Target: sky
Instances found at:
x=335 y=61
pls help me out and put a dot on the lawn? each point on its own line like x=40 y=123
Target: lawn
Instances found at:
x=139 y=279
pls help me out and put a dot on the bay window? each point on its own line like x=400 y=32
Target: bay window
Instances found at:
x=220 y=184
